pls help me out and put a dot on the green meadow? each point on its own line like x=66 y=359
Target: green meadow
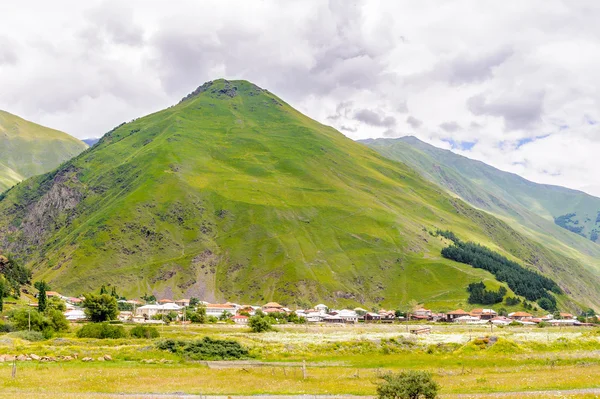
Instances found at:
x=340 y=360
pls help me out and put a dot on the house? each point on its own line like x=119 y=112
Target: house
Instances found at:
x=467 y=319
x=183 y=302
x=371 y=317
x=421 y=314
x=333 y=319
x=51 y=294
x=455 y=314
x=147 y=311
x=520 y=315
x=348 y=316
x=240 y=319
x=272 y=307
x=321 y=308
x=75 y=315
x=314 y=317
x=74 y=301
x=125 y=316
x=566 y=316
x=500 y=321
x=484 y=314
x=163 y=301
x=216 y=309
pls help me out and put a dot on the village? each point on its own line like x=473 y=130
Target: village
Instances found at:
x=168 y=310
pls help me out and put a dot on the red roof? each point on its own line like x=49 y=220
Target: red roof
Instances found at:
x=239 y=317
x=165 y=301
x=458 y=311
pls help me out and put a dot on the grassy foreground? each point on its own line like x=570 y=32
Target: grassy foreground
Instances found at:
x=340 y=360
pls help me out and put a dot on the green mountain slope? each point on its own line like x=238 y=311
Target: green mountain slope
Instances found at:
x=28 y=149
x=232 y=194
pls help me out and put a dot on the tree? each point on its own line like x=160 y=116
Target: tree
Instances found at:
x=259 y=324
x=99 y=308
x=194 y=301
x=3 y=292
x=113 y=293
x=546 y=304
x=199 y=316
x=407 y=385
x=224 y=316
x=56 y=303
x=42 y=299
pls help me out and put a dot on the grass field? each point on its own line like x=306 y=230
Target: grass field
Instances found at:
x=341 y=360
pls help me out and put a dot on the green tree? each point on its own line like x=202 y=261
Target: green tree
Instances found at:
x=103 y=290
x=259 y=324
x=99 y=308
x=224 y=316
x=55 y=303
x=42 y=299
x=3 y=292
x=194 y=301
x=546 y=304
x=113 y=293
x=412 y=384
x=199 y=316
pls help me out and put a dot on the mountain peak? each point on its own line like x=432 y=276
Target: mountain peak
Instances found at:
x=224 y=89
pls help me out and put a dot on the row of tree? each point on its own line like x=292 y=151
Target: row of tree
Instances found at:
x=522 y=281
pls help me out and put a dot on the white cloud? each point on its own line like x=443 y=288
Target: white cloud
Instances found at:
x=519 y=79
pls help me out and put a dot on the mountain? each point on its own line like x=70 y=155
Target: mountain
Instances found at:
x=28 y=149
x=233 y=194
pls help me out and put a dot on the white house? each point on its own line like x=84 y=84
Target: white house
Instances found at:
x=75 y=314
x=150 y=310
x=348 y=316
x=216 y=309
x=321 y=308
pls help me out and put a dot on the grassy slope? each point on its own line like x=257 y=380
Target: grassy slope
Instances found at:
x=246 y=199
x=503 y=193
x=28 y=149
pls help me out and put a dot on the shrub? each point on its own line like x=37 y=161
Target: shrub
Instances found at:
x=144 y=332
x=205 y=349
x=259 y=324
x=6 y=327
x=24 y=318
x=29 y=335
x=100 y=308
x=407 y=385
x=101 y=331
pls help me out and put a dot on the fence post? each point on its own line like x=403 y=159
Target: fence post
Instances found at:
x=304 y=369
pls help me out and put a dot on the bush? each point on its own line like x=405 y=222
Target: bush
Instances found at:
x=259 y=324
x=100 y=308
x=407 y=385
x=29 y=335
x=6 y=327
x=144 y=332
x=205 y=349
x=101 y=331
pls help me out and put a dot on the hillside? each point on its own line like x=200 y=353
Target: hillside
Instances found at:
x=233 y=194
x=28 y=149
x=497 y=191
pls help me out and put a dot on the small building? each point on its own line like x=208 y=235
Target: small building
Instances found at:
x=52 y=294
x=272 y=306
x=125 y=316
x=455 y=314
x=183 y=302
x=500 y=321
x=75 y=315
x=147 y=311
x=314 y=317
x=370 y=317
x=348 y=316
x=216 y=309
x=163 y=301
x=237 y=319
x=566 y=316
x=520 y=315
x=333 y=319
x=321 y=308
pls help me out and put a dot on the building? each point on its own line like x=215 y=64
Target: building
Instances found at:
x=147 y=311
x=183 y=302
x=75 y=315
x=272 y=307
x=371 y=317
x=240 y=319
x=484 y=314
x=217 y=309
x=421 y=314
x=455 y=314
x=163 y=301
x=348 y=316
x=321 y=308
x=51 y=294
x=520 y=315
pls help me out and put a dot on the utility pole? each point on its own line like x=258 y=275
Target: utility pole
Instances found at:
x=29 y=318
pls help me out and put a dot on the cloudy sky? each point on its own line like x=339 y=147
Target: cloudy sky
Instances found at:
x=514 y=84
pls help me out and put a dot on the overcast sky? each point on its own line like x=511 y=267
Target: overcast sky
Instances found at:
x=515 y=84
